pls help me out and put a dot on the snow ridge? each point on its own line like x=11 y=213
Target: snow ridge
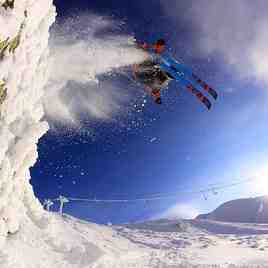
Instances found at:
x=234 y=211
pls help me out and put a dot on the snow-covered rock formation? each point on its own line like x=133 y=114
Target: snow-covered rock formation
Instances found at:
x=251 y=210
x=24 y=34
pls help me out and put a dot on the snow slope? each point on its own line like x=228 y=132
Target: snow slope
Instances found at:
x=234 y=211
x=62 y=241
x=197 y=242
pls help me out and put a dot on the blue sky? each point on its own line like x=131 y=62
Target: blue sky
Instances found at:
x=178 y=146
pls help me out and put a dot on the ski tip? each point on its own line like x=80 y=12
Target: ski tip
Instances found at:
x=207 y=103
x=213 y=93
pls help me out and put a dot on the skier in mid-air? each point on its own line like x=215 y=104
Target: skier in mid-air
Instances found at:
x=157 y=71
x=149 y=72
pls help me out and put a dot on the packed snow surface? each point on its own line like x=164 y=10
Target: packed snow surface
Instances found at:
x=62 y=241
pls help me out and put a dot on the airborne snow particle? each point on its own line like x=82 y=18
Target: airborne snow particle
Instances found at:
x=153 y=139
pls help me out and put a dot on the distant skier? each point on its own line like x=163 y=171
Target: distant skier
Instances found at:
x=156 y=72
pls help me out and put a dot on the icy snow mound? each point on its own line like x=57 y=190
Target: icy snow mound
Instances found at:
x=247 y=210
x=56 y=241
x=24 y=36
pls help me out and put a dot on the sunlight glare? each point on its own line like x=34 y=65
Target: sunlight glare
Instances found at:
x=260 y=182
